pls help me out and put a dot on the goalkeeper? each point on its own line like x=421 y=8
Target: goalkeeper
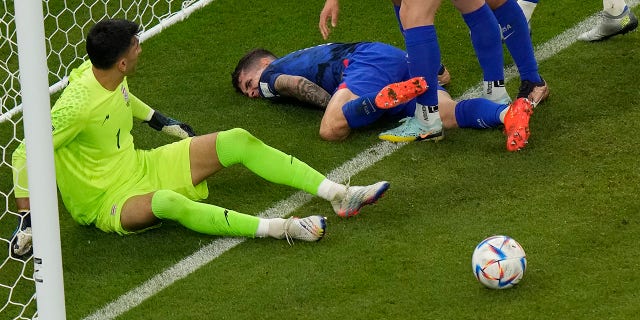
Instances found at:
x=106 y=182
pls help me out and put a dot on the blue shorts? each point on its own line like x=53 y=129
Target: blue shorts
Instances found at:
x=369 y=69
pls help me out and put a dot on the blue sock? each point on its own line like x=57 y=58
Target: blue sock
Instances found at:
x=515 y=32
x=485 y=37
x=397 y=10
x=532 y=1
x=424 y=59
x=362 y=111
x=478 y=113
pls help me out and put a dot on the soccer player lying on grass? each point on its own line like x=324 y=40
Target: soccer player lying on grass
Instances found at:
x=106 y=182
x=360 y=83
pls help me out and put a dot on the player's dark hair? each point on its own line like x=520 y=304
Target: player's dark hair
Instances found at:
x=249 y=60
x=108 y=40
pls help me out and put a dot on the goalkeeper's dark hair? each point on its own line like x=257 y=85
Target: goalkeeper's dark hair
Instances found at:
x=108 y=40
x=249 y=60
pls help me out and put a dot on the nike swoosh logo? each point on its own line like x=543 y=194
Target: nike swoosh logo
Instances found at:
x=226 y=216
x=504 y=37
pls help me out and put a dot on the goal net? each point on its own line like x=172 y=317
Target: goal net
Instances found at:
x=66 y=25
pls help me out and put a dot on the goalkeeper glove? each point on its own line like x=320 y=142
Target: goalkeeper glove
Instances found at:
x=21 y=240
x=170 y=126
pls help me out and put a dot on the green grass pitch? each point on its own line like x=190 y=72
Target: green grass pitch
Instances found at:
x=569 y=198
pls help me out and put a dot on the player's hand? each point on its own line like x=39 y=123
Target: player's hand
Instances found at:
x=331 y=11
x=21 y=241
x=170 y=126
x=178 y=129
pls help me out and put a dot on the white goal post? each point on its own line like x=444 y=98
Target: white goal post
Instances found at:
x=47 y=256
x=41 y=41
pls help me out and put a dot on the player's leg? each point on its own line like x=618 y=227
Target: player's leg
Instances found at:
x=515 y=33
x=168 y=192
x=237 y=146
x=334 y=125
x=481 y=113
x=443 y=74
x=377 y=81
x=347 y=111
x=617 y=19
x=209 y=153
x=143 y=211
x=485 y=37
x=447 y=109
x=377 y=75
x=423 y=51
x=528 y=6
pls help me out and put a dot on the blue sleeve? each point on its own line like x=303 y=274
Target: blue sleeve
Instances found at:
x=268 y=83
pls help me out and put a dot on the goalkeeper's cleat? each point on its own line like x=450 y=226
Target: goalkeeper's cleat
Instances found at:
x=21 y=240
x=311 y=228
x=400 y=92
x=516 y=124
x=535 y=92
x=413 y=130
x=443 y=76
x=610 y=26
x=357 y=197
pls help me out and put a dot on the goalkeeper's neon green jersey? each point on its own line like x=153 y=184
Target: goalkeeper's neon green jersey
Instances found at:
x=93 y=146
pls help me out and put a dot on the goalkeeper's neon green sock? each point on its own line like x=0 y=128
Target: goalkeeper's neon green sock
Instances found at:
x=239 y=146
x=202 y=217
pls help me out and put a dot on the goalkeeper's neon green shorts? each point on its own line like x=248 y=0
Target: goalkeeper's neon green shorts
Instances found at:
x=165 y=168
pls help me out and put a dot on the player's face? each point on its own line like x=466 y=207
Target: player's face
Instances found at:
x=249 y=81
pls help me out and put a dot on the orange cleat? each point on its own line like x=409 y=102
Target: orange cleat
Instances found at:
x=400 y=92
x=516 y=124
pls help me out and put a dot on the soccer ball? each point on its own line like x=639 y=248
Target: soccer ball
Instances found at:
x=499 y=262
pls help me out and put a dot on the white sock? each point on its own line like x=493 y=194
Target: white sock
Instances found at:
x=614 y=7
x=527 y=8
x=271 y=228
x=329 y=190
x=494 y=90
x=425 y=117
x=263 y=228
x=504 y=113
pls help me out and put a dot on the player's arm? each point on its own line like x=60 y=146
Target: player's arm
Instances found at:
x=65 y=127
x=159 y=121
x=302 y=89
